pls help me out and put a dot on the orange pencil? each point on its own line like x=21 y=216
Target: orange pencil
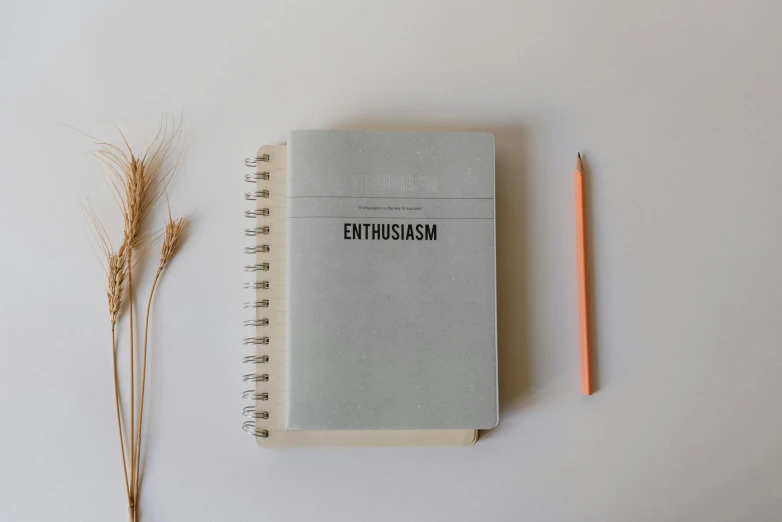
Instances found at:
x=583 y=310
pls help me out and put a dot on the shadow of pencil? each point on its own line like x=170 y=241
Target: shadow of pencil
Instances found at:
x=513 y=223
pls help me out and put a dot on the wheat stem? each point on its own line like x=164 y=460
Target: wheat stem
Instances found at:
x=144 y=379
x=119 y=412
x=132 y=372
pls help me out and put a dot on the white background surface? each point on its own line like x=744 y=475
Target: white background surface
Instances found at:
x=677 y=106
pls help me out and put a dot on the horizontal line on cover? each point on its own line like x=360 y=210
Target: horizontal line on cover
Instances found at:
x=383 y=217
x=374 y=197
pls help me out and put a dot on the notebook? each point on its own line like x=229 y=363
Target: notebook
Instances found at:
x=374 y=314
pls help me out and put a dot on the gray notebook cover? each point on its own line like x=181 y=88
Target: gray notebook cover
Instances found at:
x=391 y=281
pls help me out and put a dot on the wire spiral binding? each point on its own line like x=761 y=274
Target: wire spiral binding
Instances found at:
x=255 y=231
x=249 y=427
x=256 y=285
x=249 y=411
x=252 y=196
x=255 y=359
x=255 y=377
x=256 y=249
x=253 y=396
x=252 y=412
x=264 y=267
x=263 y=303
x=255 y=176
x=256 y=322
x=252 y=162
x=255 y=340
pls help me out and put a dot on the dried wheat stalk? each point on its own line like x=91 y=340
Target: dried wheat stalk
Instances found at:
x=137 y=183
x=116 y=272
x=174 y=231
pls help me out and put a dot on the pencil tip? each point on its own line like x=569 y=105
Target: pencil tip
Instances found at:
x=579 y=155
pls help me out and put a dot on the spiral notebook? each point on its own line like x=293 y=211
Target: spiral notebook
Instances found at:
x=374 y=309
